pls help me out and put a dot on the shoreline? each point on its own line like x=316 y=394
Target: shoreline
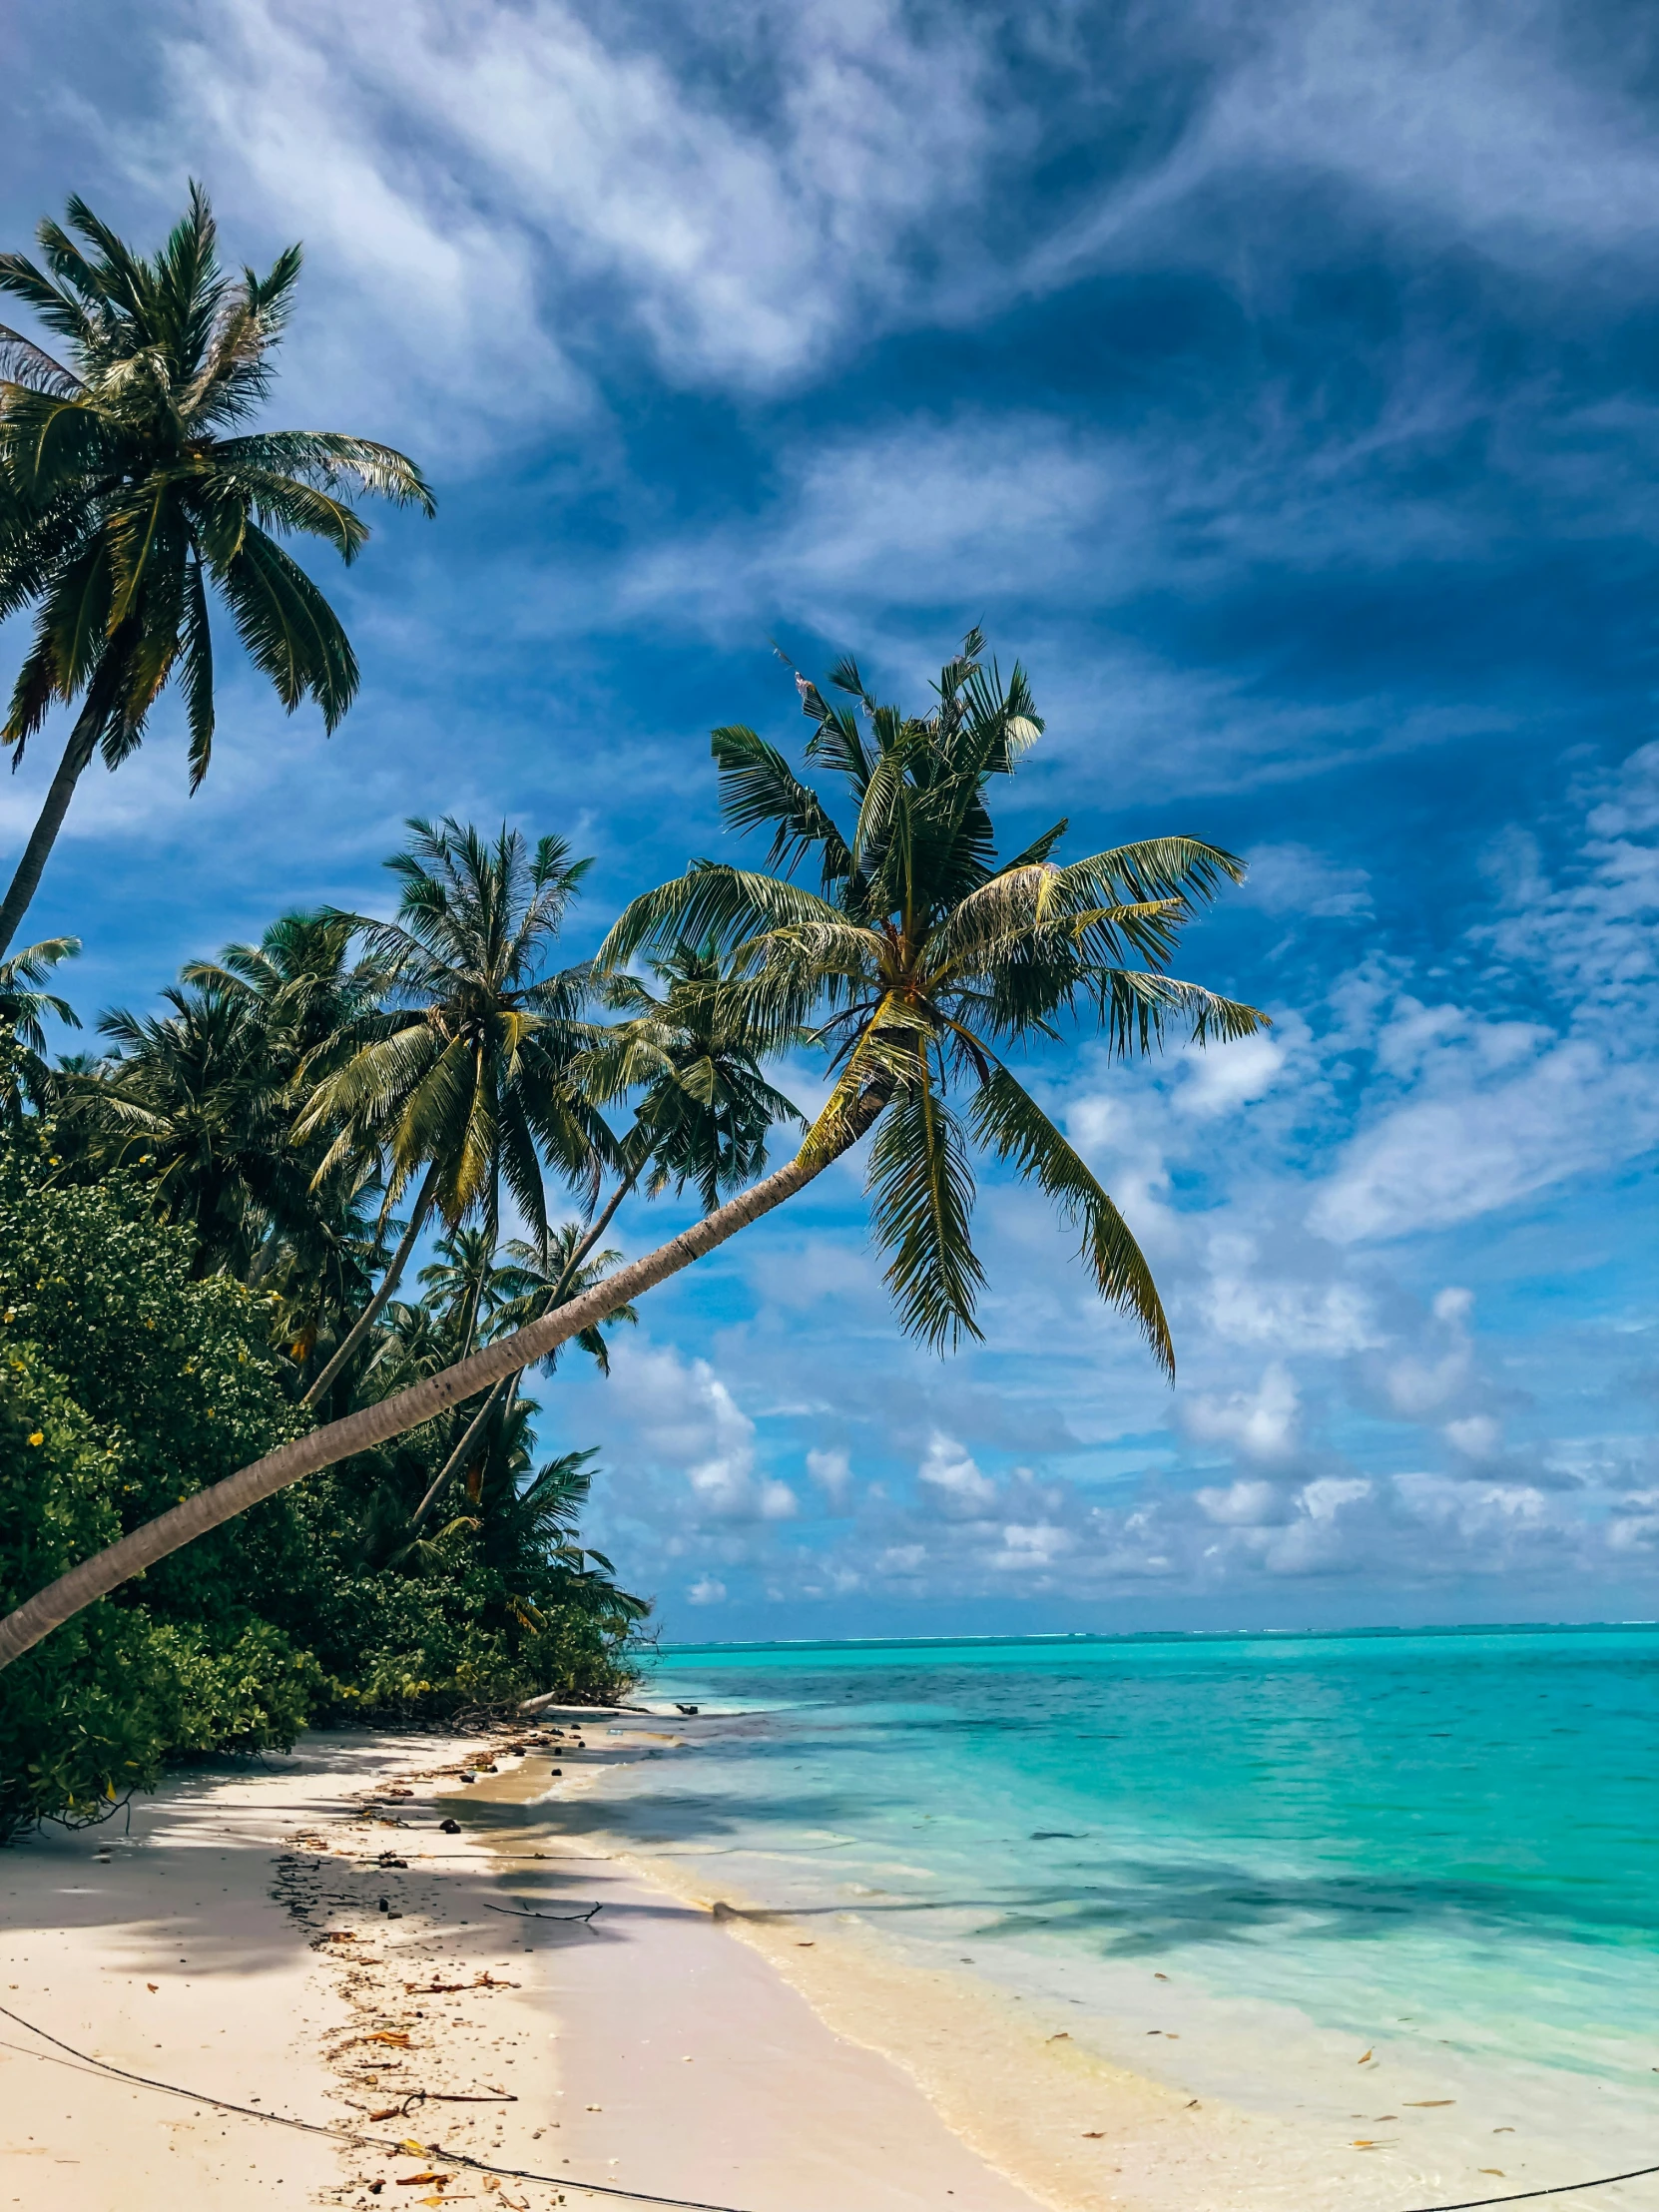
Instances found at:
x=545 y=1992
x=1045 y=2064
x=308 y=1941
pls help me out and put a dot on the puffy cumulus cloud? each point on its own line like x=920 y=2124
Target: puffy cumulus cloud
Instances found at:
x=1221 y=1082
x=1029 y=1547
x=1433 y=1374
x=1284 y=1294
x=832 y=1473
x=1263 y=1423
x=1246 y=1505
x=686 y=1424
x=952 y=1476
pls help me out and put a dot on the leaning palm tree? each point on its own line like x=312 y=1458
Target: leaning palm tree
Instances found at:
x=131 y=480
x=461 y=1078
x=928 y=965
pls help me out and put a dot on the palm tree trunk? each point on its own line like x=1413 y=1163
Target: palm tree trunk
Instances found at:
x=76 y=754
x=422 y=1402
x=388 y=1282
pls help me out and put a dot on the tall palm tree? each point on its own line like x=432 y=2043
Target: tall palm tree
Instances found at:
x=131 y=479
x=927 y=963
x=461 y=1078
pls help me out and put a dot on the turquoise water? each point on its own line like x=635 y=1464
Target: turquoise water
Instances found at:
x=1449 y=1837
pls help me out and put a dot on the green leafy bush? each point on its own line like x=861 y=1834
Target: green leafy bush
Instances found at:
x=127 y=1383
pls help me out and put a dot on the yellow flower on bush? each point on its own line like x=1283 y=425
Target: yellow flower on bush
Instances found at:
x=37 y=1436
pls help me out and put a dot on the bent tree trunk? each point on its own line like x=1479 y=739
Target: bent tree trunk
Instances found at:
x=76 y=754
x=372 y=1425
x=388 y=1282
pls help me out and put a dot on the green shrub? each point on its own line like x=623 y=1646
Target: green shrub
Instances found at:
x=127 y=1383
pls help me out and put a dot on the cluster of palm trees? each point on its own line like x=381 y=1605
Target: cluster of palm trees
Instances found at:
x=304 y=1098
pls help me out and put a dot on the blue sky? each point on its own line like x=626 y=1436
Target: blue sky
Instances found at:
x=1282 y=384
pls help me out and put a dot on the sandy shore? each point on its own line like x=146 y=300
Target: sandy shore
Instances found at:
x=529 y=1989
x=234 y=1943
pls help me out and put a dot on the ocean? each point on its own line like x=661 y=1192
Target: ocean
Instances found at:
x=1436 y=1849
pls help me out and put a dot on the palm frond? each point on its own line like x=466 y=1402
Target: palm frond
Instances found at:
x=199 y=674
x=1006 y=1118
x=712 y=904
x=758 y=791
x=291 y=634
x=22 y=361
x=921 y=1203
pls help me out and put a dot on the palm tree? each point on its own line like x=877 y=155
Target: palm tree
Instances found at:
x=198 y=1102
x=130 y=481
x=189 y=1100
x=24 y=1001
x=300 y=991
x=927 y=963
x=461 y=1076
x=538 y=1277
x=706 y=1109
x=467 y=1291
x=930 y=965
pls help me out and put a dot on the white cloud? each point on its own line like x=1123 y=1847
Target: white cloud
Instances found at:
x=1223 y=1078
x=832 y=1473
x=1030 y=1547
x=1244 y=1504
x=707 y=1590
x=475 y=179
x=1253 y=1299
x=1476 y=1436
x=1261 y=1424
x=1324 y=1500
x=1296 y=881
x=1465 y=120
x=949 y=1471
x=685 y=1420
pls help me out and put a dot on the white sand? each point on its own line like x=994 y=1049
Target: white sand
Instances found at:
x=650 y=2050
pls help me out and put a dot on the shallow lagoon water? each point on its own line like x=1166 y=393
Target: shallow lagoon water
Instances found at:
x=1451 y=1839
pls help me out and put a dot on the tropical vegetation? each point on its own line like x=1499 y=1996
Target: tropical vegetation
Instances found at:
x=324 y=1209
x=922 y=965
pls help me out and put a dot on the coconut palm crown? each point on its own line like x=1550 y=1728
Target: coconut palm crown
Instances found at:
x=927 y=963
x=133 y=476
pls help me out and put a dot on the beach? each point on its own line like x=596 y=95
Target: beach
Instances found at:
x=611 y=1970
x=233 y=1944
